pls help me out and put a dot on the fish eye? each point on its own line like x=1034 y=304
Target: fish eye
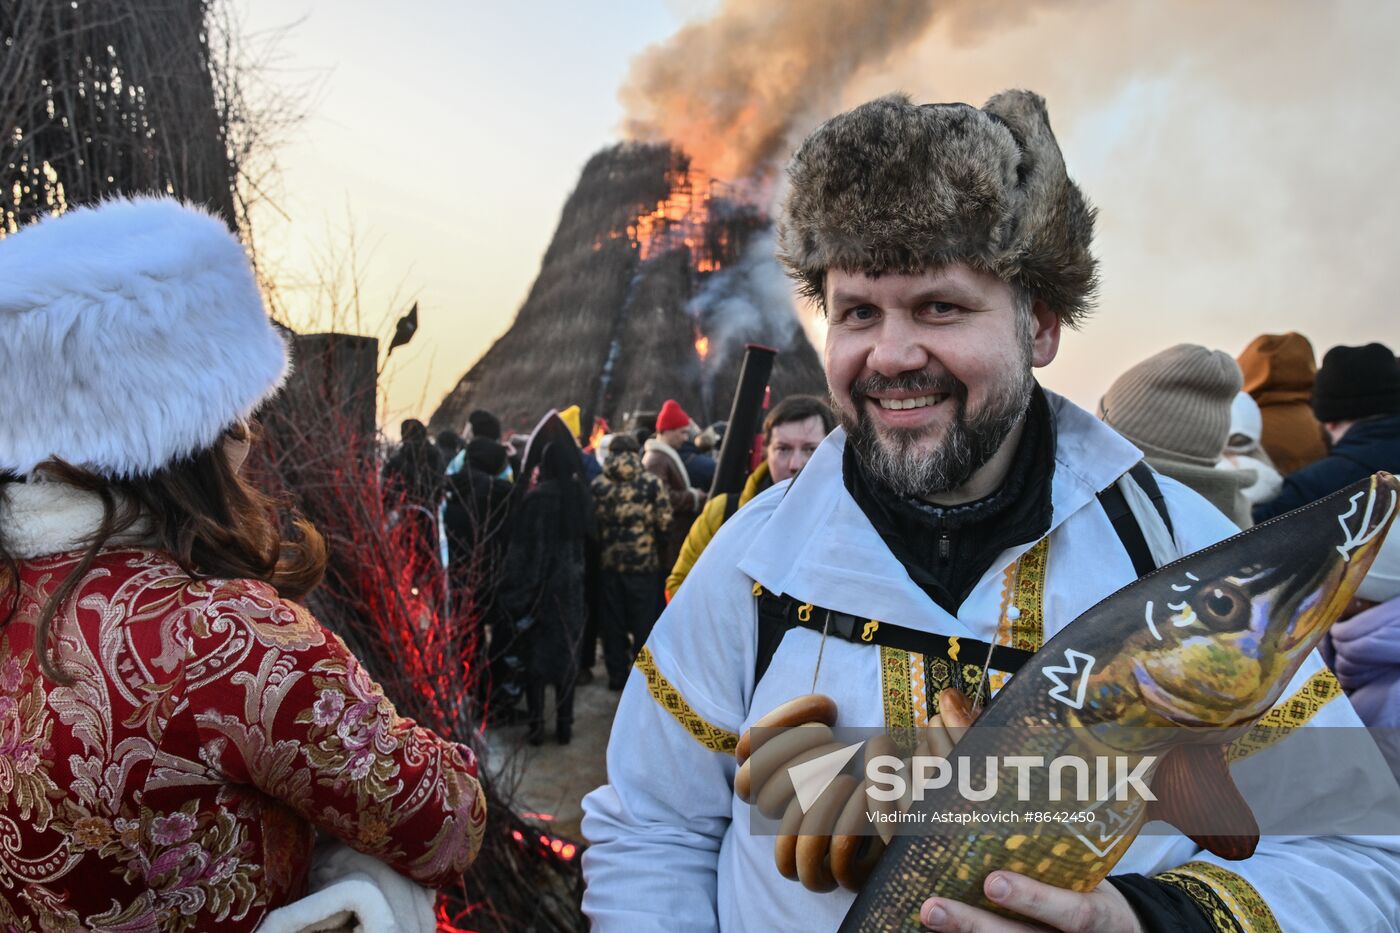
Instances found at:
x=1222 y=606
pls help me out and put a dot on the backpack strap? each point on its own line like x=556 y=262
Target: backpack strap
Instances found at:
x=1146 y=478
x=1137 y=509
x=775 y=617
x=731 y=505
x=777 y=614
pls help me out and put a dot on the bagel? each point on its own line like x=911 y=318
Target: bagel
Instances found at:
x=743 y=782
x=814 y=838
x=855 y=846
x=810 y=707
x=785 y=846
x=776 y=753
x=773 y=796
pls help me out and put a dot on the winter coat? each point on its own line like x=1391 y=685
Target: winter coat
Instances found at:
x=1278 y=374
x=711 y=518
x=1367 y=447
x=544 y=583
x=1364 y=651
x=700 y=467
x=477 y=516
x=210 y=730
x=632 y=512
x=662 y=461
x=670 y=845
x=416 y=475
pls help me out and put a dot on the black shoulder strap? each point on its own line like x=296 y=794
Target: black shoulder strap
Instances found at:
x=731 y=505
x=774 y=620
x=1146 y=478
x=777 y=615
x=1125 y=524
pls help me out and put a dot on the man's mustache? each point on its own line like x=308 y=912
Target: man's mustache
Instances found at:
x=922 y=382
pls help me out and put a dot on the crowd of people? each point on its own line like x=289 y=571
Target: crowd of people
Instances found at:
x=581 y=549
x=586 y=551
x=1272 y=431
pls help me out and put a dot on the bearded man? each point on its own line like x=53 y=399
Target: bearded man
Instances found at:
x=961 y=506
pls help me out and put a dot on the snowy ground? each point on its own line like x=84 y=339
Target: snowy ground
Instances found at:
x=551 y=779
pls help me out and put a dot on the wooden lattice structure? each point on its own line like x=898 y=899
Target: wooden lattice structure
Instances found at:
x=102 y=97
x=607 y=324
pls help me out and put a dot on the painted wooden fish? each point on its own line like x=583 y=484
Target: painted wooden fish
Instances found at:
x=1168 y=670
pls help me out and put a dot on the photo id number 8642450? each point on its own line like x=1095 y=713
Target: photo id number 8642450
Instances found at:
x=1059 y=816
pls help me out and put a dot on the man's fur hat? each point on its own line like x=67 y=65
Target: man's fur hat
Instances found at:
x=132 y=334
x=896 y=187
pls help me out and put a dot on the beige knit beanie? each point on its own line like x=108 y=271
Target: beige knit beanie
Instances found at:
x=1176 y=404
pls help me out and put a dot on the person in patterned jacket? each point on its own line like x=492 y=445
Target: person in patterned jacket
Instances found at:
x=633 y=512
x=174 y=726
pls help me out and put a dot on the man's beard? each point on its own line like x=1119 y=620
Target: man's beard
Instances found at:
x=894 y=457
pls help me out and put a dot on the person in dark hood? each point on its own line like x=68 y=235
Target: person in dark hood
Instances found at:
x=478 y=533
x=413 y=475
x=414 y=484
x=543 y=589
x=451 y=445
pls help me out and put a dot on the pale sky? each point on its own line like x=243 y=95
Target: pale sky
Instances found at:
x=1242 y=161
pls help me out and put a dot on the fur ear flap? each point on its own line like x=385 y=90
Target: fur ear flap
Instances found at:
x=1055 y=223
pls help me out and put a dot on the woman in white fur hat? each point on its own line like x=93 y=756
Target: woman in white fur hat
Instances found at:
x=173 y=726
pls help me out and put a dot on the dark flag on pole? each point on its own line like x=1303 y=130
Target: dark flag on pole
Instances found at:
x=405 y=329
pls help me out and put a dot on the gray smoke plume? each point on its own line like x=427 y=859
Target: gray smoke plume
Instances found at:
x=1240 y=154
x=750 y=301
x=734 y=89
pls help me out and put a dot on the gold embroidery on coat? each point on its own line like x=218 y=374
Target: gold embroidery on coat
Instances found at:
x=711 y=736
x=1288 y=715
x=1229 y=901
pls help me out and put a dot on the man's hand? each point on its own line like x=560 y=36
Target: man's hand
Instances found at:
x=1044 y=907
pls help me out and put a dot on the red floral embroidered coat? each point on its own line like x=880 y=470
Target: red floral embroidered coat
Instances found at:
x=208 y=729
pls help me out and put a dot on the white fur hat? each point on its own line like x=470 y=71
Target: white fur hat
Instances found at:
x=132 y=334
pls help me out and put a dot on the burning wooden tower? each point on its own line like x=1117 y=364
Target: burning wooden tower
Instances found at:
x=637 y=301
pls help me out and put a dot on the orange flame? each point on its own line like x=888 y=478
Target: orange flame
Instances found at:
x=702 y=346
x=600 y=428
x=679 y=220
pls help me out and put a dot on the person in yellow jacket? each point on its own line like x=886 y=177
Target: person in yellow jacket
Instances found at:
x=791 y=434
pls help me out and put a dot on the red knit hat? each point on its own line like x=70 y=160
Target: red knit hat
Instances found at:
x=672 y=416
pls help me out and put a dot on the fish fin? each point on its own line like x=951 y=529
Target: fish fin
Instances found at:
x=1196 y=794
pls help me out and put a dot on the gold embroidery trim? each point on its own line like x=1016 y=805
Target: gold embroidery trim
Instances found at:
x=918 y=688
x=1028 y=631
x=1023 y=589
x=1275 y=725
x=896 y=683
x=711 y=736
x=1229 y=901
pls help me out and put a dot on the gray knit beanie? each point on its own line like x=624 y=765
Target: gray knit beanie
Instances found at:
x=1176 y=405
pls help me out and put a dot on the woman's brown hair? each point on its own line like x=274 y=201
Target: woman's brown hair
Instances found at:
x=211 y=520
